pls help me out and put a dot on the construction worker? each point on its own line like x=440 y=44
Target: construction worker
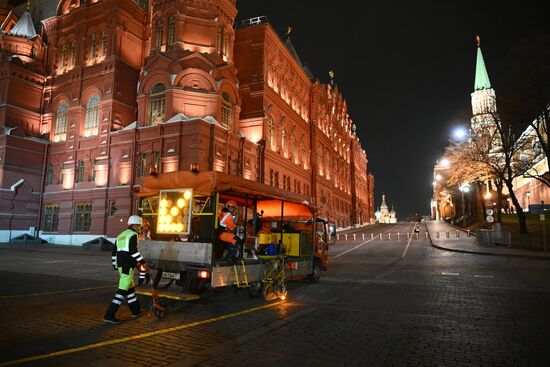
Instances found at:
x=125 y=257
x=144 y=234
x=227 y=226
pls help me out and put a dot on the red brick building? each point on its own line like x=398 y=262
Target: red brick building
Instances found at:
x=96 y=94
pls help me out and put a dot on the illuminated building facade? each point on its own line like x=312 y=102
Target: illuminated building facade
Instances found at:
x=97 y=94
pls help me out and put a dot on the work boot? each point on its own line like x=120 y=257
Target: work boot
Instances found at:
x=135 y=309
x=110 y=314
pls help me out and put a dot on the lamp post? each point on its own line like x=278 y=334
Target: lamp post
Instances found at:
x=528 y=200
x=464 y=188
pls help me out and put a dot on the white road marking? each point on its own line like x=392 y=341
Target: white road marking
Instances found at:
x=408 y=243
x=447 y=273
x=483 y=276
x=361 y=244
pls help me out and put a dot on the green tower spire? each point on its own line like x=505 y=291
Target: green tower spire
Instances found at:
x=482 y=78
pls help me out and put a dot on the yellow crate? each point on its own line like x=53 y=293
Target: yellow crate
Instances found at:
x=291 y=244
x=266 y=238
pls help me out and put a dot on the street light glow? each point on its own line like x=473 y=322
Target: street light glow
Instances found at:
x=445 y=162
x=459 y=133
x=438 y=177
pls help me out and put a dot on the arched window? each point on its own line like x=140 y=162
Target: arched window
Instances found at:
x=303 y=155
x=227 y=111
x=92 y=116
x=171 y=30
x=159 y=34
x=72 y=60
x=63 y=55
x=157 y=98
x=271 y=136
x=104 y=43
x=60 y=131
x=93 y=46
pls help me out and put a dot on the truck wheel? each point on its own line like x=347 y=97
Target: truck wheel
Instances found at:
x=316 y=273
x=255 y=290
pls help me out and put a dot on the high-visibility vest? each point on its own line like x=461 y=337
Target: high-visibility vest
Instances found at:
x=123 y=240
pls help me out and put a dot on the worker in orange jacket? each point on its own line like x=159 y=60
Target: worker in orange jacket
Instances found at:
x=227 y=226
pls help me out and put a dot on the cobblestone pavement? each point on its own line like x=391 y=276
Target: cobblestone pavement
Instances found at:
x=382 y=303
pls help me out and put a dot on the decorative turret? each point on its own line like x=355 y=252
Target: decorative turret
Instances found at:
x=483 y=97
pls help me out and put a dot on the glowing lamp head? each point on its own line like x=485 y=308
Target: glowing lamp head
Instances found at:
x=459 y=133
x=174 y=211
x=187 y=195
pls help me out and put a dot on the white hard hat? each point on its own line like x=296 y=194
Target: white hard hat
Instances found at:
x=134 y=219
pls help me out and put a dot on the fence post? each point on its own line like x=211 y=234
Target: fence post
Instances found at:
x=468 y=233
x=426 y=233
x=380 y=235
x=437 y=234
x=389 y=236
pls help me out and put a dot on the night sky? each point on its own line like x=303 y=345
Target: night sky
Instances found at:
x=406 y=70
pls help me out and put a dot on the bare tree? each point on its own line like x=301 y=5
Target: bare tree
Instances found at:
x=503 y=156
x=526 y=93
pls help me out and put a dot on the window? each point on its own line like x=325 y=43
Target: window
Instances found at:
x=63 y=55
x=159 y=34
x=92 y=116
x=271 y=136
x=157 y=98
x=294 y=149
x=227 y=111
x=283 y=141
x=219 y=40
x=83 y=217
x=142 y=164
x=80 y=171
x=104 y=43
x=226 y=42
x=171 y=30
x=92 y=176
x=72 y=60
x=156 y=160
x=60 y=131
x=49 y=174
x=112 y=207
x=93 y=47
x=51 y=217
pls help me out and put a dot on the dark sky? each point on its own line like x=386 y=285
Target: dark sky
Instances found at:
x=406 y=70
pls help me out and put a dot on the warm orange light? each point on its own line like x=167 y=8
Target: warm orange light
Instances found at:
x=203 y=274
x=174 y=211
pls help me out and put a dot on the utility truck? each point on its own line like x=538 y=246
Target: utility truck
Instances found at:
x=281 y=235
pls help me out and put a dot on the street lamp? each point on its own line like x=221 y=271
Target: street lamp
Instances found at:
x=464 y=188
x=528 y=200
x=459 y=133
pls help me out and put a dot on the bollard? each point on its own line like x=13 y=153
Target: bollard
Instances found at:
x=468 y=233
x=354 y=236
x=380 y=235
x=398 y=236
x=457 y=233
x=426 y=233
x=447 y=234
x=363 y=236
x=437 y=234
x=416 y=235
x=372 y=236
x=389 y=236
x=346 y=236
x=338 y=237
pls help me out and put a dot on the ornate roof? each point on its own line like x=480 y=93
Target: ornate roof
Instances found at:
x=482 y=77
x=24 y=27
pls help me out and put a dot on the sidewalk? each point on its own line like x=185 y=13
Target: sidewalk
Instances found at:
x=438 y=234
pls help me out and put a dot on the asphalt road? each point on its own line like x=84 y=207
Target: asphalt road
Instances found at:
x=383 y=302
